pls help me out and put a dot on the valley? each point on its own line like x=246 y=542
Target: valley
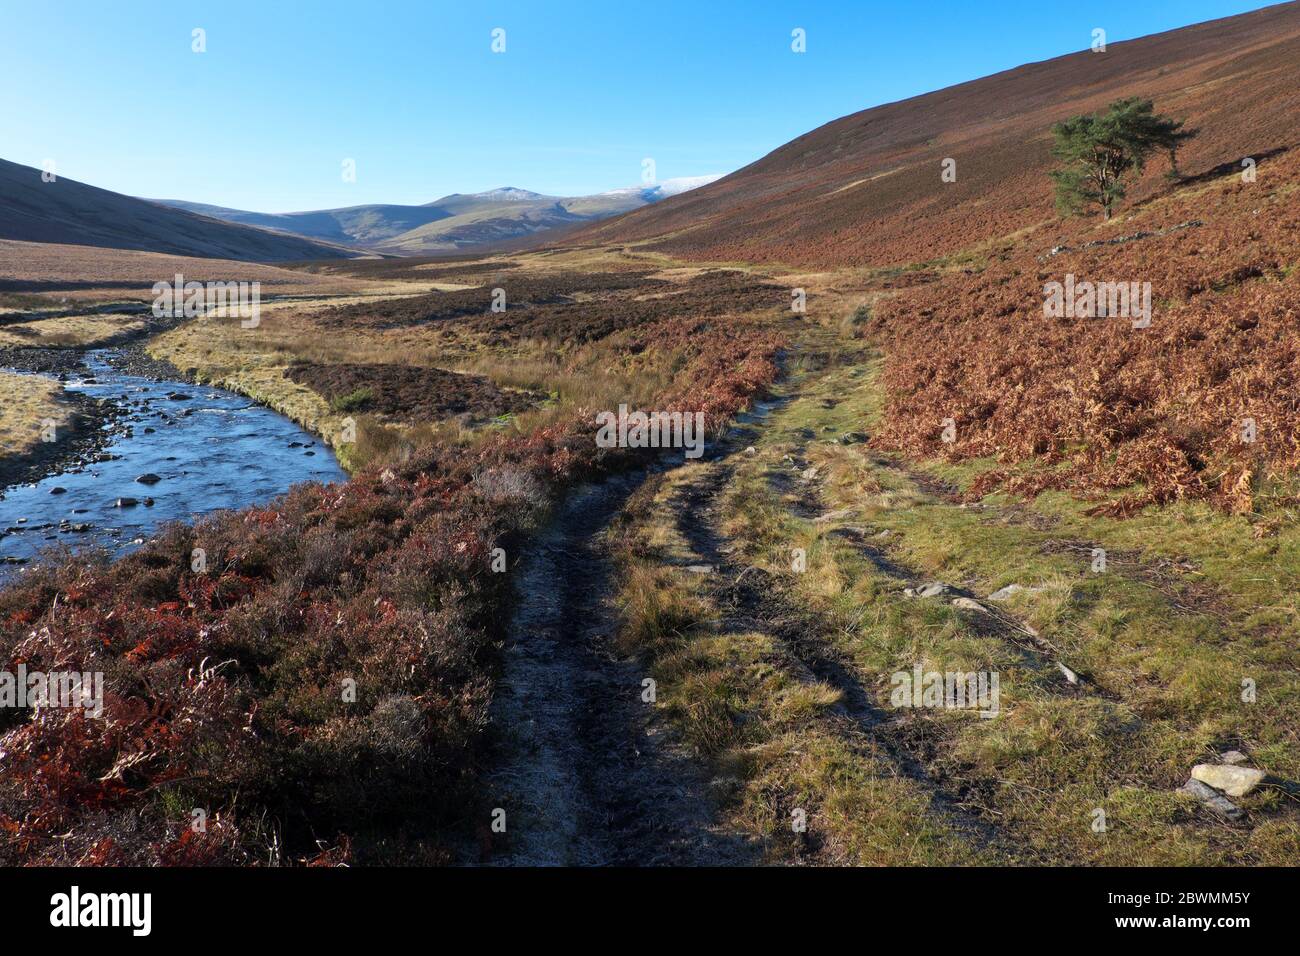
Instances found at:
x=904 y=498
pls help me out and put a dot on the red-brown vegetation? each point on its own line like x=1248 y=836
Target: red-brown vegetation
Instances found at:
x=1093 y=404
x=410 y=393
x=224 y=687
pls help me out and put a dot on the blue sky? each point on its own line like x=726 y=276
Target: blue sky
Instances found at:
x=411 y=90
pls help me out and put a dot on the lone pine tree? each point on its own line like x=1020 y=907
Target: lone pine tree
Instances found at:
x=1100 y=149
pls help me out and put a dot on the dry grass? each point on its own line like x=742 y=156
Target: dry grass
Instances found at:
x=772 y=735
x=1192 y=603
x=28 y=401
x=74 y=331
x=598 y=374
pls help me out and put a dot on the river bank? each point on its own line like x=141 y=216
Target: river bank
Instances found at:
x=145 y=448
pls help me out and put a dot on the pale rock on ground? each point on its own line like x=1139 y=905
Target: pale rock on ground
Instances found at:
x=1233 y=780
x=1011 y=590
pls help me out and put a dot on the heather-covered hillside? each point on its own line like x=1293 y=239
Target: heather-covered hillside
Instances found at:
x=867 y=189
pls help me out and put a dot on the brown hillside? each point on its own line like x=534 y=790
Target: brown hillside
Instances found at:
x=866 y=189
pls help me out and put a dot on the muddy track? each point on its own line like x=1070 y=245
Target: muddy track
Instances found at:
x=751 y=599
x=585 y=772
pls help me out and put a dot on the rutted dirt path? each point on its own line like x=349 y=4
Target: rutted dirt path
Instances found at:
x=587 y=775
x=754 y=601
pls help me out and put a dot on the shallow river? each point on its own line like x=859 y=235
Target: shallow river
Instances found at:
x=212 y=449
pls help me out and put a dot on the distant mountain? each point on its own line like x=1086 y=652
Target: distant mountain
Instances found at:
x=66 y=211
x=354 y=225
x=459 y=201
x=454 y=222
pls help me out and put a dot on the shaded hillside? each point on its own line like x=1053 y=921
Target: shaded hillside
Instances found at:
x=354 y=225
x=866 y=189
x=66 y=211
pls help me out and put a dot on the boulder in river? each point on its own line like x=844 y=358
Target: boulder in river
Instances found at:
x=58 y=490
x=126 y=503
x=149 y=479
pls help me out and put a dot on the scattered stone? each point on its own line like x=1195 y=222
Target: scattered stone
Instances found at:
x=700 y=569
x=1232 y=757
x=1002 y=594
x=853 y=438
x=810 y=473
x=1069 y=675
x=1213 y=800
x=751 y=450
x=1233 y=780
x=149 y=479
x=967 y=604
x=932 y=589
x=833 y=516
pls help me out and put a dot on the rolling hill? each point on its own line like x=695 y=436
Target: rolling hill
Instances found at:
x=73 y=213
x=457 y=222
x=866 y=189
x=353 y=225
